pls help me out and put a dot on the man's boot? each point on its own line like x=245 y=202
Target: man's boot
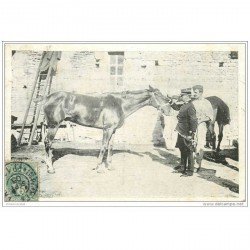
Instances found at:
x=182 y=167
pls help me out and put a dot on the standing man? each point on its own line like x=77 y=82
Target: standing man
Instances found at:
x=186 y=128
x=205 y=113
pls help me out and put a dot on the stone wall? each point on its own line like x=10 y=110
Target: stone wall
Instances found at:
x=86 y=71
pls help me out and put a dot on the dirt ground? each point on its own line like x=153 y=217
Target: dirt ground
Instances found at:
x=142 y=173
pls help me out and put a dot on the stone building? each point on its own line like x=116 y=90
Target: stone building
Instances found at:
x=103 y=71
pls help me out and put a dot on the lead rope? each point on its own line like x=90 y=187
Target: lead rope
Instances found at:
x=192 y=142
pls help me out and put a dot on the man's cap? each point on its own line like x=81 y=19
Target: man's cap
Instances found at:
x=199 y=87
x=187 y=91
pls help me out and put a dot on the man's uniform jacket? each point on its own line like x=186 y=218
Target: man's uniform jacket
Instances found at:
x=187 y=119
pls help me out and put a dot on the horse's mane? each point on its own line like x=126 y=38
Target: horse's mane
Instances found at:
x=129 y=92
x=118 y=93
x=126 y=94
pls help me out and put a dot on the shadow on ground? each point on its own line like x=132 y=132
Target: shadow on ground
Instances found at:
x=168 y=159
x=59 y=153
x=171 y=160
x=232 y=153
x=220 y=157
x=209 y=175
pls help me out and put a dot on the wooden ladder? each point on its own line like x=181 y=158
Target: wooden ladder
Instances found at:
x=41 y=88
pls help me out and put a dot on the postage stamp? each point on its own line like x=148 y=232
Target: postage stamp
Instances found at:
x=21 y=182
x=125 y=123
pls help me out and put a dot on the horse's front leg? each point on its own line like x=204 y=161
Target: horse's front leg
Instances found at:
x=110 y=153
x=107 y=134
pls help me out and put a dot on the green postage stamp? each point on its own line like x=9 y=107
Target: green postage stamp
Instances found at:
x=148 y=124
x=21 y=182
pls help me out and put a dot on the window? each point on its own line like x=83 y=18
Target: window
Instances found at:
x=116 y=67
x=221 y=64
x=233 y=55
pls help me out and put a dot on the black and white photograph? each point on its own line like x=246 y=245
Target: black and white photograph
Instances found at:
x=125 y=122
x=124 y=125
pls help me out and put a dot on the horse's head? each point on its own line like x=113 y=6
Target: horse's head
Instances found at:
x=159 y=101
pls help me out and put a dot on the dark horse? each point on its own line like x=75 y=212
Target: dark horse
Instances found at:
x=105 y=111
x=221 y=116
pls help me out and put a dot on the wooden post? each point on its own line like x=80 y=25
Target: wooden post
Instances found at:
x=39 y=107
x=68 y=129
x=30 y=100
x=73 y=130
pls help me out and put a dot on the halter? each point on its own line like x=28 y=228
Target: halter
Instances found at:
x=159 y=106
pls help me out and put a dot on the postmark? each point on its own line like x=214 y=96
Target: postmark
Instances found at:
x=21 y=182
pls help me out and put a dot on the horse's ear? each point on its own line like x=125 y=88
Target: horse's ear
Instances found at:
x=150 y=88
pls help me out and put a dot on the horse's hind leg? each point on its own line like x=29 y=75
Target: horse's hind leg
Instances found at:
x=110 y=153
x=212 y=135
x=48 y=143
x=208 y=136
x=107 y=134
x=220 y=136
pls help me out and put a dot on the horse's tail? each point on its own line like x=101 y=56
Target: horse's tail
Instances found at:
x=225 y=114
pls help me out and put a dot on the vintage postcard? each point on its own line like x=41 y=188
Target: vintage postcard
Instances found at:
x=124 y=123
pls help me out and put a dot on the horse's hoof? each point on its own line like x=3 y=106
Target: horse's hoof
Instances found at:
x=100 y=171
x=196 y=170
x=51 y=171
x=109 y=166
